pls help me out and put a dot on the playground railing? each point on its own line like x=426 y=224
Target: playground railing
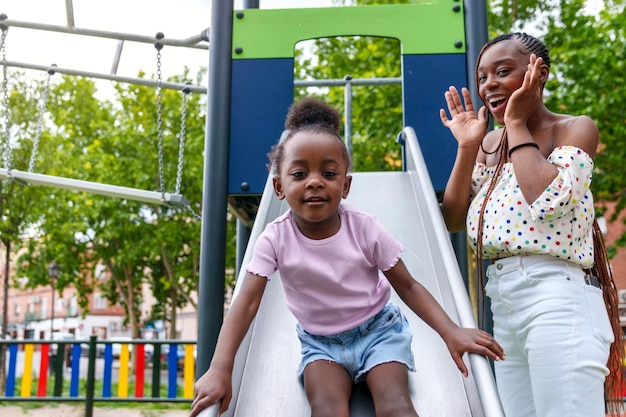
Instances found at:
x=98 y=370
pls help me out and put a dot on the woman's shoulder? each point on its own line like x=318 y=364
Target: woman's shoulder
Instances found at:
x=579 y=131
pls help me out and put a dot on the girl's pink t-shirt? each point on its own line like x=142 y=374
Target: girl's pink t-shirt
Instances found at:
x=334 y=284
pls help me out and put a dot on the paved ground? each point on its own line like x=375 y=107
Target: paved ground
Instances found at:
x=65 y=410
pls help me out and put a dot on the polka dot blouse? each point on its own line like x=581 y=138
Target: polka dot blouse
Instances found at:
x=558 y=223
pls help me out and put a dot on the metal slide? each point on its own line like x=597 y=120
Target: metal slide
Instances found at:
x=264 y=379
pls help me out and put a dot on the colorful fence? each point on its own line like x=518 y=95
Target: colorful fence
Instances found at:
x=44 y=370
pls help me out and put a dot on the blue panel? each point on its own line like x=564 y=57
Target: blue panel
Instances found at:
x=426 y=78
x=172 y=370
x=75 y=380
x=108 y=370
x=261 y=93
x=10 y=382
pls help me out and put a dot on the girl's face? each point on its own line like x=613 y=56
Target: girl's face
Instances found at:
x=313 y=179
x=500 y=72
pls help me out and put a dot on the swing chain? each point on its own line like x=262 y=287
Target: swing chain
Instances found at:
x=6 y=151
x=193 y=213
x=159 y=46
x=183 y=134
x=42 y=109
x=181 y=149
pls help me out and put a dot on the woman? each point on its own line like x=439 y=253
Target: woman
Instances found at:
x=523 y=194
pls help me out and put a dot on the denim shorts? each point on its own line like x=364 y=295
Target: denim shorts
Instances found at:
x=385 y=337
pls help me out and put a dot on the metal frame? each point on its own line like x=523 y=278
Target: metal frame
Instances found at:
x=153 y=197
x=199 y=41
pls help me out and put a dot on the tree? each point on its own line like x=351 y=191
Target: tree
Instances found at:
x=589 y=52
x=138 y=243
x=16 y=209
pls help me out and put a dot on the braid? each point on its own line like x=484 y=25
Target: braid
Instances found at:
x=602 y=270
x=503 y=147
x=534 y=46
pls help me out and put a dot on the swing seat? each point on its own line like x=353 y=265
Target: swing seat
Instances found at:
x=153 y=197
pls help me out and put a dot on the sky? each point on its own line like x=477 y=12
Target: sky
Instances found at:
x=177 y=19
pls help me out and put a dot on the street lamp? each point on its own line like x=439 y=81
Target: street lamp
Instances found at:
x=54 y=271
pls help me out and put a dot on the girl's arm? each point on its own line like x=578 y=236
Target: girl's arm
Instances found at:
x=458 y=340
x=216 y=383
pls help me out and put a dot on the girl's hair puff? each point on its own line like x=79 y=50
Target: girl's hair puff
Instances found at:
x=311 y=115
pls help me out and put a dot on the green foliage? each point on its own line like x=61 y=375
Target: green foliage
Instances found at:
x=505 y=16
x=589 y=54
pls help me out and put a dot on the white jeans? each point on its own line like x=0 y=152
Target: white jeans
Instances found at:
x=556 y=334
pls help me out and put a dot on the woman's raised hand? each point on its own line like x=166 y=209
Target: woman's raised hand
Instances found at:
x=467 y=126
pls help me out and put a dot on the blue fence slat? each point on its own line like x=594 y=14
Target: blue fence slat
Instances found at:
x=108 y=368
x=172 y=369
x=10 y=387
x=74 y=383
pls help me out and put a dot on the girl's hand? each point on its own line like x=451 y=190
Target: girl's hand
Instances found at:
x=467 y=127
x=215 y=385
x=525 y=100
x=461 y=340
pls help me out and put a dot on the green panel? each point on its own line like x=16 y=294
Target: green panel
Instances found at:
x=430 y=27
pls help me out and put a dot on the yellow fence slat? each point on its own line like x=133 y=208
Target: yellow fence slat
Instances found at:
x=27 y=377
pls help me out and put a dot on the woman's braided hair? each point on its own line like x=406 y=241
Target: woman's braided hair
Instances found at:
x=601 y=269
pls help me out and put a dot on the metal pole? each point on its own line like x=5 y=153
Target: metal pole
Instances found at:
x=215 y=192
x=243 y=237
x=69 y=13
x=250 y=4
x=54 y=271
x=110 y=77
x=91 y=376
x=476 y=35
x=52 y=311
x=348 y=113
x=191 y=42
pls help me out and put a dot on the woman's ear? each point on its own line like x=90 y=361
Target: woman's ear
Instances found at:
x=545 y=74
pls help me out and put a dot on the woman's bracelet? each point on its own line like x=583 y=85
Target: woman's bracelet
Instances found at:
x=521 y=145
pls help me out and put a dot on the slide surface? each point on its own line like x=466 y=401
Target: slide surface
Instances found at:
x=264 y=379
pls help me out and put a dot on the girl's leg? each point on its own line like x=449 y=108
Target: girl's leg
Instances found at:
x=389 y=385
x=328 y=387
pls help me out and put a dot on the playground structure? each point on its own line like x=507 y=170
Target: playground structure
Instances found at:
x=251 y=62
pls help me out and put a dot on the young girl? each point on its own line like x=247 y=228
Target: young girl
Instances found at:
x=329 y=256
x=523 y=193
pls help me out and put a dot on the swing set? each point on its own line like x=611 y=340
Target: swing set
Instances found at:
x=30 y=177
